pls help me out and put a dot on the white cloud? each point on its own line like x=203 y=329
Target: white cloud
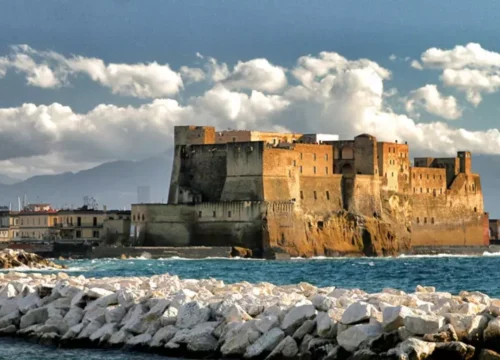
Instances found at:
x=330 y=94
x=53 y=70
x=429 y=98
x=468 y=68
x=256 y=74
x=392 y=57
x=192 y=75
x=416 y=65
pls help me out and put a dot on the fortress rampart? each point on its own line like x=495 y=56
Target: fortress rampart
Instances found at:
x=274 y=192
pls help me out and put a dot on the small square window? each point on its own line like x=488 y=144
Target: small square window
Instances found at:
x=327 y=195
x=314 y=169
x=301 y=195
x=229 y=214
x=315 y=196
x=215 y=214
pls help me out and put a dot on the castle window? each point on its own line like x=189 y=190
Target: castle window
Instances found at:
x=428 y=190
x=301 y=169
x=418 y=220
x=289 y=173
x=440 y=177
x=274 y=141
x=326 y=170
x=229 y=214
x=95 y=220
x=427 y=176
x=214 y=213
x=301 y=195
x=392 y=174
x=425 y=220
x=320 y=225
x=475 y=209
x=414 y=190
x=434 y=192
x=434 y=177
x=473 y=187
x=314 y=169
x=199 y=214
x=441 y=191
x=294 y=162
x=300 y=156
x=432 y=220
x=234 y=139
x=420 y=176
x=421 y=190
x=133 y=217
x=314 y=157
x=414 y=176
x=326 y=157
x=327 y=195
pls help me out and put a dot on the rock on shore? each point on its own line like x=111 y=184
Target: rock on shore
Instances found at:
x=15 y=258
x=210 y=319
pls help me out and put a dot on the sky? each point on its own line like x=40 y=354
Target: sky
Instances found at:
x=83 y=83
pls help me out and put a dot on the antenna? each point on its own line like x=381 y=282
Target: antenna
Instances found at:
x=19 y=203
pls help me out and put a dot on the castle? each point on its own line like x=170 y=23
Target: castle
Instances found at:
x=311 y=194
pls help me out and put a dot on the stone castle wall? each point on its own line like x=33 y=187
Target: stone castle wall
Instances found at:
x=343 y=197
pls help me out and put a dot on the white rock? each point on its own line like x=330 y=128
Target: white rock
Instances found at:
x=98 y=292
x=326 y=326
x=413 y=347
x=139 y=340
x=393 y=317
x=296 y=317
x=104 y=301
x=236 y=313
x=351 y=338
x=468 y=327
x=267 y=342
x=132 y=322
x=306 y=328
x=10 y=319
x=238 y=338
x=192 y=314
x=163 y=336
x=119 y=337
x=287 y=349
x=105 y=331
x=266 y=323
x=323 y=303
x=73 y=316
x=73 y=331
x=423 y=324
x=115 y=314
x=32 y=301
x=357 y=313
x=8 y=291
x=169 y=317
x=158 y=308
x=88 y=330
x=32 y=317
x=9 y=306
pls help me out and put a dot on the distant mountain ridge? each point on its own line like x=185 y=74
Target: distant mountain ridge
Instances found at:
x=114 y=184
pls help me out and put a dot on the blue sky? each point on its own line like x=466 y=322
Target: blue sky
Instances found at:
x=173 y=32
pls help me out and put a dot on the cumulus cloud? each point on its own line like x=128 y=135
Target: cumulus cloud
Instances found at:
x=325 y=93
x=431 y=100
x=256 y=74
x=192 y=75
x=416 y=65
x=470 y=69
x=48 y=69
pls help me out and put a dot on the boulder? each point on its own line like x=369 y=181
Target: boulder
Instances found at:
x=394 y=317
x=326 y=326
x=453 y=351
x=192 y=314
x=104 y=333
x=423 y=324
x=163 y=336
x=491 y=335
x=357 y=313
x=306 y=328
x=296 y=316
x=266 y=343
x=266 y=323
x=352 y=338
x=469 y=328
x=239 y=338
x=286 y=349
x=35 y=316
x=323 y=303
x=413 y=349
x=446 y=334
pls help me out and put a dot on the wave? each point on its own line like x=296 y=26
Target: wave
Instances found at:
x=46 y=269
x=486 y=253
x=444 y=255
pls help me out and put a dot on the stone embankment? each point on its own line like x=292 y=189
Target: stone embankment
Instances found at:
x=19 y=258
x=210 y=319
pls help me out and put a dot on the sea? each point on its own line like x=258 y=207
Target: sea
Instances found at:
x=450 y=273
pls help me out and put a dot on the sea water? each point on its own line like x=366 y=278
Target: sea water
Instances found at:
x=445 y=272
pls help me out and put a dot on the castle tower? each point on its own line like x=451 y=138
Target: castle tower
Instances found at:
x=465 y=161
x=365 y=155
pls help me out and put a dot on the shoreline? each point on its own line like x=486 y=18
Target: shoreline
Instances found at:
x=210 y=319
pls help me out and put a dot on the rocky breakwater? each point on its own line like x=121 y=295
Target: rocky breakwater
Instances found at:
x=210 y=319
x=19 y=258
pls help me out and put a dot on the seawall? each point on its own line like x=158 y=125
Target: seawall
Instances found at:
x=210 y=319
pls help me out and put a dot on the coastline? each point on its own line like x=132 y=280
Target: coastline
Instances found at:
x=210 y=319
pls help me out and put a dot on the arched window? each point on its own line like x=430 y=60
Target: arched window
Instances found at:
x=142 y=217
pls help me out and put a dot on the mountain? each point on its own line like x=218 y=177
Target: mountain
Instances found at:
x=114 y=184
x=8 y=180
